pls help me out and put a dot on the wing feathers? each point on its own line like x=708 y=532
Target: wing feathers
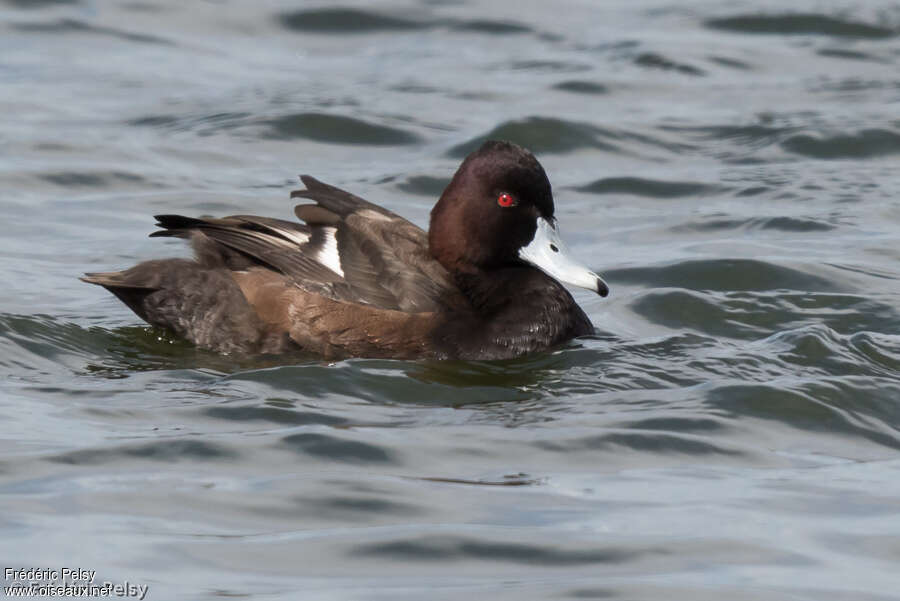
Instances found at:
x=347 y=250
x=334 y=199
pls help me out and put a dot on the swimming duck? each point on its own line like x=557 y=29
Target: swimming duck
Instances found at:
x=356 y=280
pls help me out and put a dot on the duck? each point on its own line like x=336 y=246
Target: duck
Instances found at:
x=485 y=282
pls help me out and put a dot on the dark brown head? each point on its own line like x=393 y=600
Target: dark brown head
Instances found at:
x=497 y=212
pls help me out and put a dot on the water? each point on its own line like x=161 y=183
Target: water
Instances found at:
x=731 y=431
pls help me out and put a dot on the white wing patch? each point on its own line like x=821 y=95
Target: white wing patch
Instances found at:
x=328 y=255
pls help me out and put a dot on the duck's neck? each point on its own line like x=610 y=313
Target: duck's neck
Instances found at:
x=516 y=310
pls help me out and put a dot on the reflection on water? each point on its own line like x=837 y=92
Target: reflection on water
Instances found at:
x=730 y=431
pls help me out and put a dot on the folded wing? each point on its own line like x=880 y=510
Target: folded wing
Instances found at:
x=348 y=250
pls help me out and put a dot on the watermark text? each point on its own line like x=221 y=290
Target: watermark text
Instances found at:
x=66 y=582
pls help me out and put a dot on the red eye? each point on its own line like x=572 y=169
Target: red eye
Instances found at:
x=506 y=200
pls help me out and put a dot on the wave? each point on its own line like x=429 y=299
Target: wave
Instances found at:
x=337 y=129
x=654 y=60
x=867 y=143
x=75 y=26
x=553 y=135
x=92 y=179
x=424 y=185
x=725 y=275
x=651 y=188
x=346 y=20
x=781 y=224
x=800 y=24
x=541 y=135
x=166 y=451
x=337 y=448
x=577 y=86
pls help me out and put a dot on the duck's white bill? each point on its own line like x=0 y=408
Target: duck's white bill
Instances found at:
x=548 y=253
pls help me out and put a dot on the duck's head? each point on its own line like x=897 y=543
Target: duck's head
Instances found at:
x=497 y=212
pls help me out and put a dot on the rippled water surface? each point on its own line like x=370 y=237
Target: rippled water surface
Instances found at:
x=730 y=432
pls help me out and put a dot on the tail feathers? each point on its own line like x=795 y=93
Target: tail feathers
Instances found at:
x=176 y=226
x=112 y=279
x=204 y=305
x=129 y=292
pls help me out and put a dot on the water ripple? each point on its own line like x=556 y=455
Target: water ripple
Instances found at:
x=578 y=86
x=648 y=187
x=807 y=405
x=75 y=26
x=424 y=185
x=726 y=275
x=166 y=451
x=345 y=20
x=800 y=24
x=275 y=415
x=91 y=179
x=337 y=448
x=542 y=135
x=32 y=4
x=657 y=61
x=551 y=135
x=337 y=129
x=647 y=442
x=782 y=224
x=447 y=548
x=863 y=144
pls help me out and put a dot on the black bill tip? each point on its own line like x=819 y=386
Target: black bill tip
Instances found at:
x=602 y=288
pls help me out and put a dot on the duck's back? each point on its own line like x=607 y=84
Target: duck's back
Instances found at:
x=348 y=279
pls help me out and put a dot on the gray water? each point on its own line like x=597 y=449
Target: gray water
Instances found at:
x=730 y=432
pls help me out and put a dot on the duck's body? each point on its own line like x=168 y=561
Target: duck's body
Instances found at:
x=358 y=280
